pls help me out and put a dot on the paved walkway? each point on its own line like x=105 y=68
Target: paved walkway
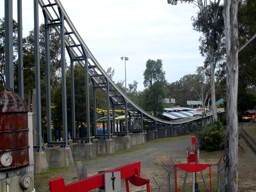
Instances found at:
x=147 y=154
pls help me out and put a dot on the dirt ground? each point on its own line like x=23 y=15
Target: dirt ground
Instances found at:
x=152 y=155
x=247 y=163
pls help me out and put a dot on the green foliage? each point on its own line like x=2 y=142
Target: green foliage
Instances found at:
x=153 y=72
x=211 y=137
x=80 y=99
x=132 y=92
x=246 y=101
x=57 y=109
x=247 y=67
x=153 y=98
x=210 y=22
x=2 y=44
x=190 y=87
x=154 y=80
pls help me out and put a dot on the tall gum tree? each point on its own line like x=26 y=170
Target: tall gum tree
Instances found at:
x=231 y=148
x=155 y=83
x=231 y=44
x=210 y=23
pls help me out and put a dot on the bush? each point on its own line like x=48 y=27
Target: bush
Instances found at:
x=211 y=138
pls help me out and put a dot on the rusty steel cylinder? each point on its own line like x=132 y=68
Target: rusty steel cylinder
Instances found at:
x=13 y=131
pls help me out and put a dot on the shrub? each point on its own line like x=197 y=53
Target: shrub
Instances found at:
x=211 y=138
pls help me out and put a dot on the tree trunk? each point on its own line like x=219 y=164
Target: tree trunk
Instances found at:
x=231 y=148
x=213 y=92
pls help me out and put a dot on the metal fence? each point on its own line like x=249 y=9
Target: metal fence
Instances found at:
x=221 y=174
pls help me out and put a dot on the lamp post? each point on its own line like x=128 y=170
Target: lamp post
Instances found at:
x=125 y=59
x=126 y=119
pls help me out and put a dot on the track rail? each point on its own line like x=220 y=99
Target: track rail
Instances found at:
x=79 y=52
x=248 y=139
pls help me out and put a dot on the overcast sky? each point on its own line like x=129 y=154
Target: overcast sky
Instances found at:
x=137 y=29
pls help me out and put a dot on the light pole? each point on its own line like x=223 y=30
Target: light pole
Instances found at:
x=126 y=119
x=125 y=59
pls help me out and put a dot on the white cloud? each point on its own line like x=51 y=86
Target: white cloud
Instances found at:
x=138 y=29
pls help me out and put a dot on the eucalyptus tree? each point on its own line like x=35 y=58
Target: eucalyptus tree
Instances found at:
x=210 y=22
x=155 y=83
x=203 y=88
x=132 y=88
x=132 y=92
x=215 y=53
x=176 y=91
x=110 y=72
x=232 y=48
x=231 y=45
x=154 y=97
x=153 y=72
x=191 y=87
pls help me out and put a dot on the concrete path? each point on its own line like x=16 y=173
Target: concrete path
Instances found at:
x=147 y=153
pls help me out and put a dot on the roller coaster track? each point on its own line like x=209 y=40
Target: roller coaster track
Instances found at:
x=79 y=52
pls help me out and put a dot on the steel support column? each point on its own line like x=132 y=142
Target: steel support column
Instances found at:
x=141 y=123
x=37 y=76
x=20 y=50
x=63 y=79
x=87 y=97
x=94 y=109
x=48 y=77
x=108 y=113
x=126 y=119
x=113 y=118
x=73 y=104
x=9 y=74
x=129 y=117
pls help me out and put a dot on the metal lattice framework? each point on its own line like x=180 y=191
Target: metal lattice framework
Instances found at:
x=56 y=17
x=72 y=43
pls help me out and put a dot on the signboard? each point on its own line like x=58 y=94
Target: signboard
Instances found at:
x=194 y=103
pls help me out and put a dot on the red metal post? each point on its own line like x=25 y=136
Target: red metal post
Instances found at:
x=148 y=187
x=57 y=185
x=192 y=165
x=127 y=185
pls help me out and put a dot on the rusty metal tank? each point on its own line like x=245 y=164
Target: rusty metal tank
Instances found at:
x=13 y=131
